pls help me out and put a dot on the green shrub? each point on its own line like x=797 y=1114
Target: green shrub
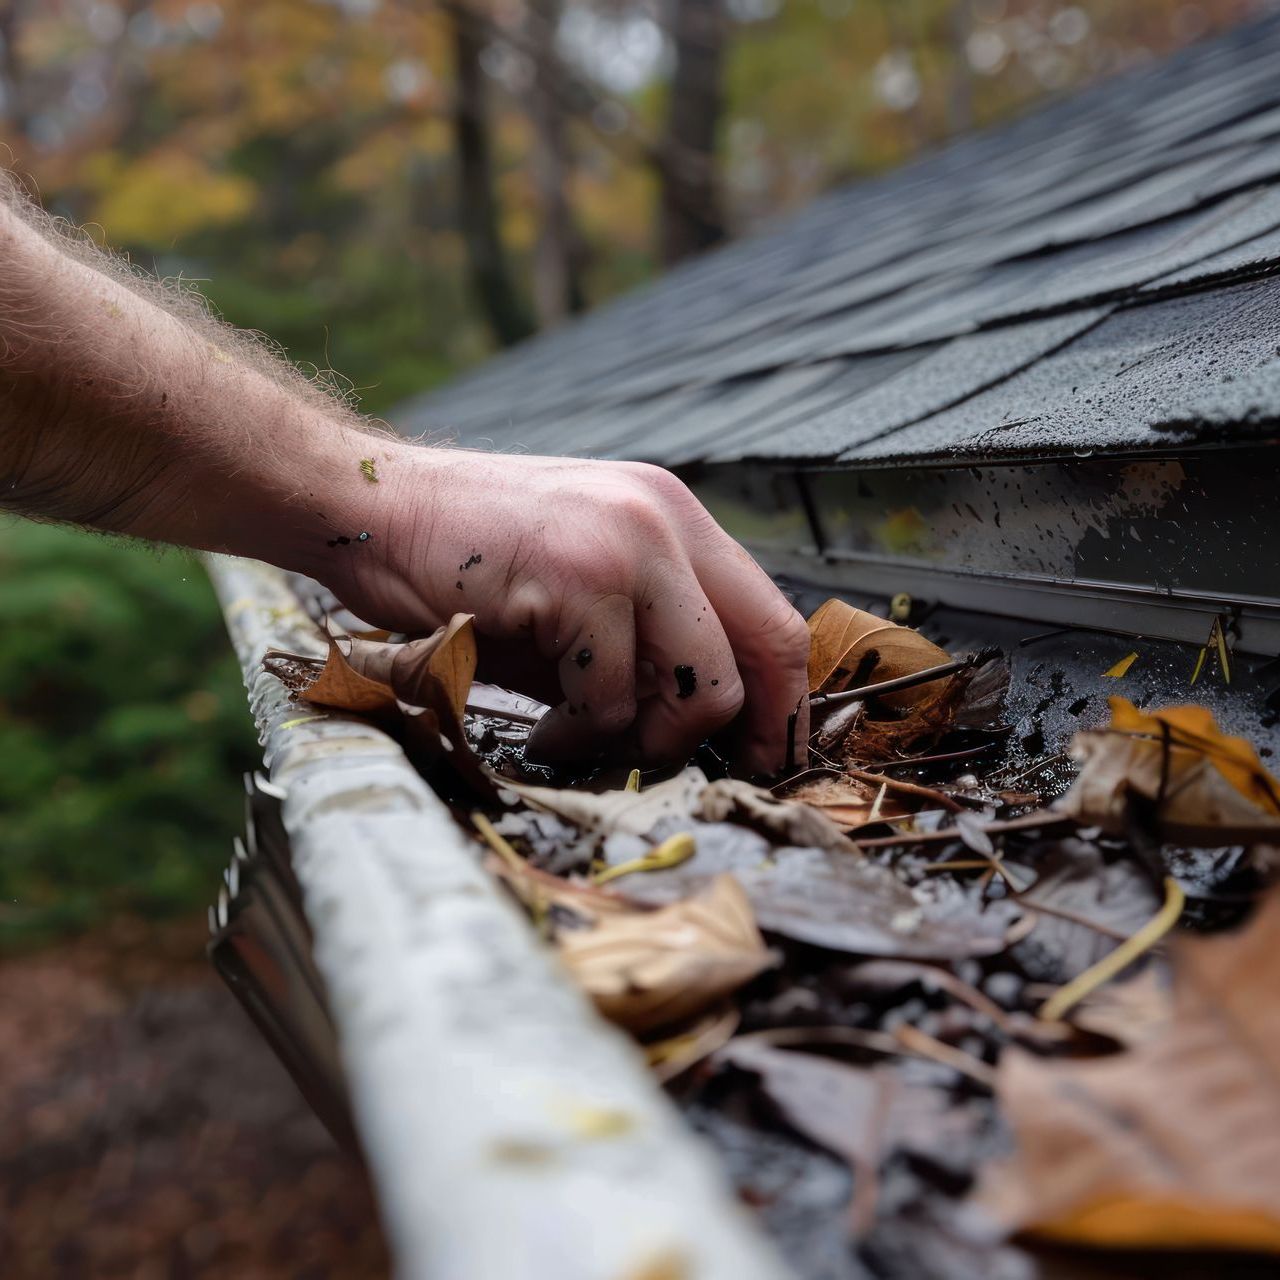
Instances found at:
x=123 y=732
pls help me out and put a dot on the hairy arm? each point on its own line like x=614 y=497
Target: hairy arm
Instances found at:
x=125 y=408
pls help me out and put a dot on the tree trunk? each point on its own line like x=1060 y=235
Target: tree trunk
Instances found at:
x=559 y=253
x=692 y=217
x=477 y=199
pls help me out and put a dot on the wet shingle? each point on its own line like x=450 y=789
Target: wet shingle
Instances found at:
x=1059 y=283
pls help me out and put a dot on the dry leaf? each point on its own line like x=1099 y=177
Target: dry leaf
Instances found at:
x=835 y=899
x=646 y=969
x=846 y=642
x=633 y=813
x=848 y=803
x=333 y=683
x=1196 y=783
x=1173 y=1144
x=787 y=821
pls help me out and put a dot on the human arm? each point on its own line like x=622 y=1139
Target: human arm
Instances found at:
x=128 y=412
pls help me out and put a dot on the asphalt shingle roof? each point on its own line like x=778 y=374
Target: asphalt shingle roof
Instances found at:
x=1100 y=275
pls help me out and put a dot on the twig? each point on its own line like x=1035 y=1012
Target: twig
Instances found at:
x=939 y=798
x=1125 y=954
x=926 y=1046
x=934 y=759
x=1028 y=822
x=927 y=676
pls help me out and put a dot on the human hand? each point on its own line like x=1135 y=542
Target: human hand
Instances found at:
x=654 y=626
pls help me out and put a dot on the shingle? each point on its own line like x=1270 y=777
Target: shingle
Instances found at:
x=950 y=307
x=1139 y=373
x=957 y=371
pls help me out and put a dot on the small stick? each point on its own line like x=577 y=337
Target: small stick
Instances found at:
x=926 y=1046
x=940 y=798
x=1028 y=822
x=912 y=761
x=927 y=676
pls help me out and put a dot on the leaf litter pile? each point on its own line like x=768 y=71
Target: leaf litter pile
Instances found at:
x=936 y=1023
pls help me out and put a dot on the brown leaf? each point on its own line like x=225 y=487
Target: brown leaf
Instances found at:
x=1175 y=1143
x=845 y=642
x=848 y=803
x=341 y=685
x=834 y=899
x=646 y=969
x=787 y=821
x=435 y=671
x=1196 y=783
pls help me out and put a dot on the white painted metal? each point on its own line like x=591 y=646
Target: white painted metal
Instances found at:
x=510 y=1133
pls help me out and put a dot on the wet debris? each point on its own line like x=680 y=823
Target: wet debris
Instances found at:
x=936 y=997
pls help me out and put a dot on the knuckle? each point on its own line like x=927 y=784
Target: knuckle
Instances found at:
x=614 y=717
x=641 y=515
x=722 y=703
x=786 y=635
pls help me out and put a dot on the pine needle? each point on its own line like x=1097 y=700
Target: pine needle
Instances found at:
x=1121 y=668
x=670 y=853
x=498 y=843
x=1066 y=998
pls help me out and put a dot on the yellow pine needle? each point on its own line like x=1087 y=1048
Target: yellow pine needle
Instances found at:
x=670 y=853
x=633 y=781
x=1125 y=954
x=1203 y=654
x=498 y=843
x=1122 y=667
x=1223 y=659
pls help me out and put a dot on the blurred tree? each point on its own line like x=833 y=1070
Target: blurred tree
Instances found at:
x=478 y=210
x=692 y=217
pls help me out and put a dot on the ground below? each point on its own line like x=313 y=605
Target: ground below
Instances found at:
x=147 y=1132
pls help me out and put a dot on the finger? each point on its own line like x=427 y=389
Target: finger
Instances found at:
x=698 y=690
x=597 y=670
x=770 y=645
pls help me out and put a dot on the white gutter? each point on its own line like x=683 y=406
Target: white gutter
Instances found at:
x=510 y=1133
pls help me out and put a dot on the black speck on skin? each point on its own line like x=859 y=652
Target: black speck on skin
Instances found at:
x=583 y=658
x=458 y=585
x=474 y=558
x=649 y=605
x=686 y=681
x=714 y=683
x=340 y=541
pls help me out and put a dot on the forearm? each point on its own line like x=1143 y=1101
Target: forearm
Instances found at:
x=118 y=415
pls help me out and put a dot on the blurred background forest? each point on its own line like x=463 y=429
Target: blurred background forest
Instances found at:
x=391 y=189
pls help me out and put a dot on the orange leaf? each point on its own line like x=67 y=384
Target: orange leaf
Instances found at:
x=845 y=641
x=1175 y=1143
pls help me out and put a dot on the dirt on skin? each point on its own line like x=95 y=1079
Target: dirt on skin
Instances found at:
x=147 y=1132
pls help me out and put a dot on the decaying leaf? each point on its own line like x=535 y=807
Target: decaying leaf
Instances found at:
x=1087 y=907
x=633 y=813
x=849 y=803
x=687 y=796
x=787 y=821
x=1176 y=769
x=331 y=683
x=1174 y=1143
x=646 y=969
x=847 y=643
x=432 y=674
x=835 y=899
